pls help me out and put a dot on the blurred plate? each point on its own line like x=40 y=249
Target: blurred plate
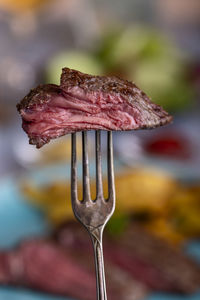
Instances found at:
x=19 y=220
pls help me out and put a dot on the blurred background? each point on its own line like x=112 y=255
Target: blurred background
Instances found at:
x=152 y=243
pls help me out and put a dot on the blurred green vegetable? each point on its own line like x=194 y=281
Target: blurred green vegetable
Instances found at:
x=142 y=55
x=72 y=59
x=149 y=59
x=117 y=224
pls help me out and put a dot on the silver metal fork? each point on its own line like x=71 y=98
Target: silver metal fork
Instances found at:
x=94 y=214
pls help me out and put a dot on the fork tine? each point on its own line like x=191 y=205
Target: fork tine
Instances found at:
x=111 y=184
x=74 y=193
x=99 y=185
x=86 y=180
x=94 y=214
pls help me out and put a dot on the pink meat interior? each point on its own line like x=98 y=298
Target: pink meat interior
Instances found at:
x=66 y=113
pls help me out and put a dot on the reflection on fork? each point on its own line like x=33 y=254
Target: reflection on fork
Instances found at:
x=94 y=214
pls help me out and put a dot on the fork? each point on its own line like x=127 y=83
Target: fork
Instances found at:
x=94 y=214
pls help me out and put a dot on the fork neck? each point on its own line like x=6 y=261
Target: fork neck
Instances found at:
x=96 y=237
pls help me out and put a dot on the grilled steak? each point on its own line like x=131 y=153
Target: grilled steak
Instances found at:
x=84 y=102
x=44 y=265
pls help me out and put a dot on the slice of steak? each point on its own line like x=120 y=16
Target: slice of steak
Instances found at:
x=44 y=265
x=146 y=258
x=84 y=102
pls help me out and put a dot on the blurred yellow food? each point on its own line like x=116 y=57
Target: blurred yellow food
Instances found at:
x=185 y=210
x=138 y=191
x=158 y=202
x=53 y=199
x=164 y=229
x=20 y=5
x=59 y=150
x=144 y=190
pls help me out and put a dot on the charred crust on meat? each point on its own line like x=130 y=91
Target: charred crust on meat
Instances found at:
x=38 y=96
x=112 y=85
x=107 y=84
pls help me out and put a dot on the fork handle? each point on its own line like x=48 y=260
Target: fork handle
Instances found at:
x=99 y=265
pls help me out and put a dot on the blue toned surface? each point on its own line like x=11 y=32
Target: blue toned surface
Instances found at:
x=193 y=250
x=23 y=294
x=162 y=296
x=18 y=219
